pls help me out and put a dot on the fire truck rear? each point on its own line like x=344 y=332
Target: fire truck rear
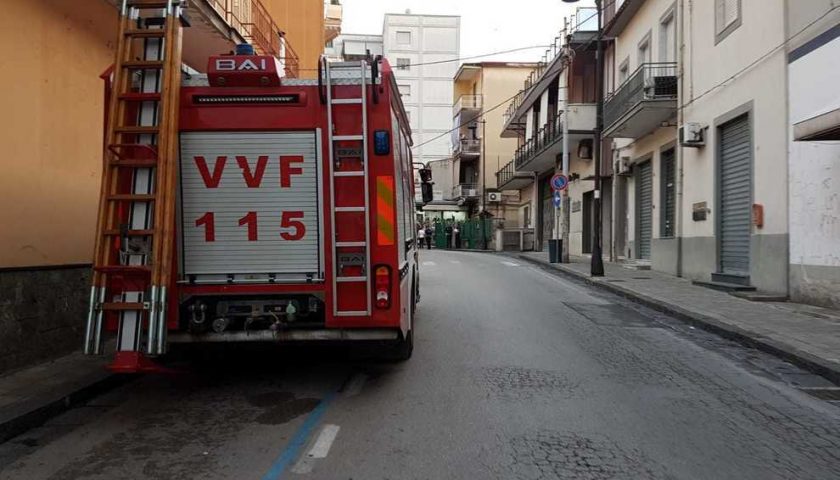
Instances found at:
x=242 y=206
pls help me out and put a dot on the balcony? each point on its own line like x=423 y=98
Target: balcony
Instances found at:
x=509 y=179
x=464 y=191
x=469 y=106
x=643 y=102
x=251 y=21
x=467 y=149
x=540 y=152
x=332 y=20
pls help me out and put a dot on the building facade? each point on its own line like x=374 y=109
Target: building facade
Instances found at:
x=479 y=150
x=558 y=100
x=423 y=50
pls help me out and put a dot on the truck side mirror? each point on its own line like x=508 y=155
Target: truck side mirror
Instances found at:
x=425 y=175
x=426 y=189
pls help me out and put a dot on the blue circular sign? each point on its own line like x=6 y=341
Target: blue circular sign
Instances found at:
x=559 y=182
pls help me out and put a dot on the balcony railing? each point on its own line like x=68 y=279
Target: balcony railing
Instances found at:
x=542 y=139
x=468 y=102
x=252 y=21
x=584 y=20
x=468 y=147
x=505 y=174
x=465 y=191
x=651 y=81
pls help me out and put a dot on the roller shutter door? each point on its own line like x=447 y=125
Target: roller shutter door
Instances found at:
x=735 y=197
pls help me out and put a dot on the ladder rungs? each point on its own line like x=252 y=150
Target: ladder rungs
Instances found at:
x=358 y=173
x=350 y=244
x=141 y=97
x=124 y=306
x=134 y=162
x=129 y=233
x=132 y=197
x=350 y=279
x=126 y=269
x=143 y=64
x=145 y=33
x=138 y=129
x=347 y=101
x=338 y=138
x=350 y=209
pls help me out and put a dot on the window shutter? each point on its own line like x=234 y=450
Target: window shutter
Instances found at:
x=720 y=7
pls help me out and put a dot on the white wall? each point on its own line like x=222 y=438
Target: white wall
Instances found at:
x=814 y=166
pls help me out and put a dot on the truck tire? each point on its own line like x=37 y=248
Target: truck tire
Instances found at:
x=404 y=347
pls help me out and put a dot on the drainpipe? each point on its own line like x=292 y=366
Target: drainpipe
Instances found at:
x=678 y=188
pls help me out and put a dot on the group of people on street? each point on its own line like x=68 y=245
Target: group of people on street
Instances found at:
x=451 y=230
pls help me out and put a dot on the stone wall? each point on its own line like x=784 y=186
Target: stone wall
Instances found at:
x=42 y=313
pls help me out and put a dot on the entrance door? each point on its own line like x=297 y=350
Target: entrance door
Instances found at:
x=586 y=222
x=735 y=194
x=547 y=222
x=644 y=209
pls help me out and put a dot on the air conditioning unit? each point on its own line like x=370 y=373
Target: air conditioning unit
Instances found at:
x=494 y=197
x=623 y=167
x=692 y=135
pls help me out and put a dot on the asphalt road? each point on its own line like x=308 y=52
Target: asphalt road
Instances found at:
x=516 y=374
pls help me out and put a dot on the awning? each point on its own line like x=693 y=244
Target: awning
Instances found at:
x=821 y=126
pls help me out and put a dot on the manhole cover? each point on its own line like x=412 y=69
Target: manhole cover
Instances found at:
x=641 y=278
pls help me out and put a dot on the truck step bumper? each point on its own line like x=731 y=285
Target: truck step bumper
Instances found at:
x=320 y=335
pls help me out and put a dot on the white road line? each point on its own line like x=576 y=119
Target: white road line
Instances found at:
x=354 y=386
x=510 y=264
x=319 y=449
x=429 y=263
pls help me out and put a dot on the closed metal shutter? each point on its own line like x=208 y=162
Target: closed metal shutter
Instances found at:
x=644 y=208
x=668 y=194
x=735 y=197
x=250 y=206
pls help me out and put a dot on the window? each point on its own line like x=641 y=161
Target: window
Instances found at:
x=644 y=50
x=405 y=91
x=403 y=38
x=623 y=71
x=727 y=18
x=667 y=38
x=403 y=64
x=526 y=216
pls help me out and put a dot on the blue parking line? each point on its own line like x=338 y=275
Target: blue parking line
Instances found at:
x=292 y=450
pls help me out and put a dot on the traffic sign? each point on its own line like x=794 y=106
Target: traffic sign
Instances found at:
x=557 y=199
x=559 y=182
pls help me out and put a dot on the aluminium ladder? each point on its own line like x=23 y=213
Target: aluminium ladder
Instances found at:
x=349 y=73
x=133 y=253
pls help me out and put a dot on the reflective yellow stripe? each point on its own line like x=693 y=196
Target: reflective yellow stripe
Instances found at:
x=385 y=210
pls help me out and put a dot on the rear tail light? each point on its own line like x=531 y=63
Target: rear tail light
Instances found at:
x=382 y=276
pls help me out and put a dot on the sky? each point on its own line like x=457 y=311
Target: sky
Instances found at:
x=486 y=25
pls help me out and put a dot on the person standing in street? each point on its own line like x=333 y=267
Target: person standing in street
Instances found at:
x=429 y=235
x=448 y=231
x=421 y=236
x=456 y=234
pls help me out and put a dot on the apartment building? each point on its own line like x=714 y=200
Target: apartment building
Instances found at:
x=53 y=138
x=814 y=151
x=424 y=51
x=560 y=90
x=479 y=150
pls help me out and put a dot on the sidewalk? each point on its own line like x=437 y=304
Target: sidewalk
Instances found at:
x=31 y=396
x=806 y=335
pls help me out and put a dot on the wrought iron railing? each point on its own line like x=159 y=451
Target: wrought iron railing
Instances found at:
x=506 y=173
x=543 y=138
x=651 y=81
x=584 y=20
x=252 y=21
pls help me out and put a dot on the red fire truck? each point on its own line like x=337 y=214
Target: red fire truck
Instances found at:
x=243 y=206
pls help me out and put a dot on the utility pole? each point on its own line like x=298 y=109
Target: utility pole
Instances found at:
x=566 y=200
x=482 y=217
x=597 y=265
